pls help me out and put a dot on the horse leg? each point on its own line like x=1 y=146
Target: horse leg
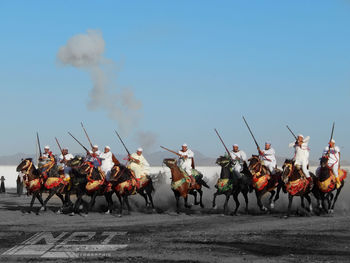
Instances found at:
x=235 y=197
x=63 y=201
x=271 y=201
x=121 y=204
x=186 y=204
x=258 y=198
x=150 y=198
x=32 y=202
x=330 y=199
x=51 y=194
x=92 y=201
x=335 y=199
x=214 y=199
x=245 y=194
x=308 y=198
x=200 y=197
x=127 y=203
x=194 y=193
x=290 y=198
x=143 y=194
x=279 y=187
x=109 y=200
x=226 y=202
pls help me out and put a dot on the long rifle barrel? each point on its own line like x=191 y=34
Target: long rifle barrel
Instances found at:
x=87 y=136
x=79 y=142
x=217 y=133
x=170 y=151
x=59 y=146
x=295 y=137
x=257 y=145
x=37 y=138
x=332 y=132
x=122 y=142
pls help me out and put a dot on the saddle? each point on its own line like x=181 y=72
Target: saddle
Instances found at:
x=330 y=183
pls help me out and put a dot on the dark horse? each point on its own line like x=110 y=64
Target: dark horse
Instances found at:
x=183 y=185
x=229 y=184
x=326 y=185
x=296 y=184
x=96 y=185
x=263 y=182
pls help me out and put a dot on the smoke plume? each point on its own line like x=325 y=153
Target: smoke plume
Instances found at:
x=146 y=139
x=85 y=51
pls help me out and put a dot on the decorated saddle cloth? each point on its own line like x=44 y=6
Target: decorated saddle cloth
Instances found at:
x=143 y=181
x=95 y=185
x=296 y=186
x=129 y=186
x=52 y=182
x=329 y=184
x=224 y=185
x=33 y=185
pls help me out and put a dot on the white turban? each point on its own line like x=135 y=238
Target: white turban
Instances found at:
x=268 y=142
x=95 y=146
x=300 y=135
x=235 y=145
x=184 y=145
x=107 y=147
x=47 y=147
x=139 y=149
x=333 y=141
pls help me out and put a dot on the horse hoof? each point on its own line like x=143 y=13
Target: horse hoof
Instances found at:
x=202 y=206
x=43 y=208
x=286 y=216
x=264 y=209
x=59 y=211
x=272 y=205
x=72 y=214
x=330 y=211
x=234 y=214
x=107 y=212
x=119 y=215
x=215 y=207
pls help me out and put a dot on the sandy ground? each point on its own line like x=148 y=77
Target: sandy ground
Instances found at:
x=195 y=235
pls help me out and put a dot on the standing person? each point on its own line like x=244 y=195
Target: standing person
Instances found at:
x=301 y=155
x=62 y=160
x=139 y=164
x=186 y=159
x=268 y=157
x=108 y=161
x=2 y=187
x=19 y=182
x=241 y=157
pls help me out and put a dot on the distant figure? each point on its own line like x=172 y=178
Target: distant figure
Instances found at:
x=2 y=187
x=19 y=182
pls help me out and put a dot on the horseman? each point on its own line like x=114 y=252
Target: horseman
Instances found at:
x=301 y=155
x=108 y=161
x=62 y=160
x=332 y=153
x=46 y=160
x=268 y=157
x=240 y=157
x=186 y=159
x=138 y=164
x=93 y=156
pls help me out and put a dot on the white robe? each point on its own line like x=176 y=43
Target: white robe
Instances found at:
x=186 y=164
x=301 y=155
x=66 y=168
x=269 y=159
x=140 y=169
x=333 y=159
x=107 y=163
x=241 y=157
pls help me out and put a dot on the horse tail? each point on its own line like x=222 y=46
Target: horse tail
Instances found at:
x=203 y=183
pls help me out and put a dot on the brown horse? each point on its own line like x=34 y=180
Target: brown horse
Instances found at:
x=263 y=182
x=326 y=185
x=296 y=184
x=36 y=183
x=183 y=185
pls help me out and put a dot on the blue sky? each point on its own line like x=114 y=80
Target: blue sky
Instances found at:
x=195 y=65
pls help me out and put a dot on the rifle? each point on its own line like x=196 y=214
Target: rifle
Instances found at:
x=332 y=132
x=37 y=138
x=257 y=145
x=171 y=151
x=122 y=143
x=59 y=146
x=295 y=137
x=228 y=152
x=87 y=151
x=87 y=136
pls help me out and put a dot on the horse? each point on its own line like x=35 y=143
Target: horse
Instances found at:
x=96 y=185
x=326 y=185
x=182 y=185
x=124 y=184
x=228 y=184
x=296 y=184
x=32 y=179
x=263 y=182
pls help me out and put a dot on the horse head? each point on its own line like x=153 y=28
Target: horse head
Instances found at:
x=24 y=164
x=120 y=173
x=287 y=169
x=85 y=167
x=224 y=161
x=254 y=163
x=324 y=162
x=170 y=162
x=76 y=161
